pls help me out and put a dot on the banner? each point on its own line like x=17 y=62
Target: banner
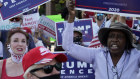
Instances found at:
x=121 y=7
x=12 y=8
x=84 y=25
x=47 y=25
x=75 y=69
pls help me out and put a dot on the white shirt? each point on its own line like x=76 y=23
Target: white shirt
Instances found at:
x=96 y=28
x=98 y=57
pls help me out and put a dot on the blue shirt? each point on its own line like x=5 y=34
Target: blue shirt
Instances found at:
x=127 y=67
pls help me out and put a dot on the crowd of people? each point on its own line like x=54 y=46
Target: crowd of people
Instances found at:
x=25 y=54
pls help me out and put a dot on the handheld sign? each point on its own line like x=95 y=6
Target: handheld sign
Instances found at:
x=83 y=25
x=47 y=25
x=75 y=69
x=13 y=8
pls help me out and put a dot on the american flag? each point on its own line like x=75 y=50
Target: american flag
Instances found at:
x=95 y=43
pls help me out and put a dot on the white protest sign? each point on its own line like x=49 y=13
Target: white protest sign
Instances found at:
x=31 y=20
x=47 y=25
x=6 y=25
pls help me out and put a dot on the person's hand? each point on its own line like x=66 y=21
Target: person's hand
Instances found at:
x=71 y=9
x=0 y=4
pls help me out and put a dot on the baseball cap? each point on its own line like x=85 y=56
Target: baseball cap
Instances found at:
x=27 y=29
x=41 y=55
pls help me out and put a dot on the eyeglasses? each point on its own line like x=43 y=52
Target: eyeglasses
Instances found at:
x=48 y=69
x=15 y=19
x=100 y=14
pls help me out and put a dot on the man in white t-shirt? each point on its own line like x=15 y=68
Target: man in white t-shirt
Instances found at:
x=100 y=23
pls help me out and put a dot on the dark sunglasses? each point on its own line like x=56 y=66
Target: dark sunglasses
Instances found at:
x=49 y=68
x=15 y=19
x=100 y=14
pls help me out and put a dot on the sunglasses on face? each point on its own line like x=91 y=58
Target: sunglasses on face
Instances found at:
x=15 y=19
x=100 y=14
x=49 y=68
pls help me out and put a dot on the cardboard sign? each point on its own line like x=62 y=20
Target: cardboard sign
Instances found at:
x=6 y=25
x=47 y=25
x=31 y=20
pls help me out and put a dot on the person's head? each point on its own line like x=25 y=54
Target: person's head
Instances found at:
x=109 y=16
x=17 y=41
x=40 y=63
x=77 y=37
x=117 y=38
x=16 y=20
x=99 y=16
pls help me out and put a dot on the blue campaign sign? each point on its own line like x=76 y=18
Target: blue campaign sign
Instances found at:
x=83 y=25
x=123 y=7
x=75 y=69
x=12 y=8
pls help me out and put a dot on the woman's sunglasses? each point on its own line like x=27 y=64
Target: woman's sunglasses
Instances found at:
x=15 y=19
x=49 y=68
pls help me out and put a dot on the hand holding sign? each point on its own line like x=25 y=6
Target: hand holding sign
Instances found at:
x=0 y=4
x=71 y=11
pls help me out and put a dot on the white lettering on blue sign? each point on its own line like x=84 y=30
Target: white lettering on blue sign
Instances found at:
x=5 y=4
x=81 y=64
x=60 y=30
x=81 y=71
x=13 y=1
x=80 y=28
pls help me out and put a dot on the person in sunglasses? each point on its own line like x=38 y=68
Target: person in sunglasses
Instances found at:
x=16 y=21
x=40 y=63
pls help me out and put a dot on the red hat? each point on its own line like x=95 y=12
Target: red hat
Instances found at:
x=41 y=55
x=27 y=29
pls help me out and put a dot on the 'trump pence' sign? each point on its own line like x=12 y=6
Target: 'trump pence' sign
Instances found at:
x=83 y=25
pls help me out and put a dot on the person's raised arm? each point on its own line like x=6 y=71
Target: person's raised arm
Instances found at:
x=71 y=10
x=0 y=4
x=76 y=51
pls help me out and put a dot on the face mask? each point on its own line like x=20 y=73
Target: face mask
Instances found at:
x=77 y=40
x=15 y=24
x=57 y=76
x=16 y=58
